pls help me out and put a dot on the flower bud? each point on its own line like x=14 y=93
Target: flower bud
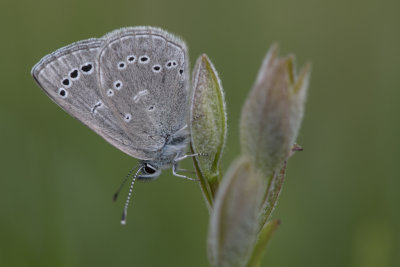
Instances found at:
x=273 y=111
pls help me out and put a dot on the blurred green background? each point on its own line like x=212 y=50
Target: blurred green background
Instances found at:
x=340 y=203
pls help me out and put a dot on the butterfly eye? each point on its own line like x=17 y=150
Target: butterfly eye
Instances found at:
x=148 y=169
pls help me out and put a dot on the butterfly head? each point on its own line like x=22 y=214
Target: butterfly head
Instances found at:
x=148 y=170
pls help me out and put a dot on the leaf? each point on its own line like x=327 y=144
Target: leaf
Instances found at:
x=272 y=194
x=208 y=124
x=263 y=238
x=234 y=223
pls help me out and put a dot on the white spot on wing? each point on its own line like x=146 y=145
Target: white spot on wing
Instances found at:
x=140 y=94
x=118 y=85
x=131 y=59
x=63 y=93
x=74 y=74
x=171 y=64
x=127 y=117
x=144 y=59
x=66 y=82
x=110 y=92
x=87 y=68
x=96 y=106
x=121 y=65
x=157 y=68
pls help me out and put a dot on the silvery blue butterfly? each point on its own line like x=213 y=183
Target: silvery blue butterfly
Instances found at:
x=131 y=88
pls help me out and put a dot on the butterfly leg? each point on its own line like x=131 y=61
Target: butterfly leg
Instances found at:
x=175 y=168
x=185 y=170
x=185 y=156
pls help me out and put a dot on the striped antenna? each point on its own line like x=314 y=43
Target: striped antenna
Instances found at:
x=123 y=183
x=125 y=212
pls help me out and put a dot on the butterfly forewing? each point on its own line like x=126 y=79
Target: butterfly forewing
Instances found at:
x=143 y=80
x=69 y=76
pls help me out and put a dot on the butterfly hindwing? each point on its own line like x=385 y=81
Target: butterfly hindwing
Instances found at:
x=143 y=80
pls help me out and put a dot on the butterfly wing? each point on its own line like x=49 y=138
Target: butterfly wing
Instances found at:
x=69 y=77
x=143 y=73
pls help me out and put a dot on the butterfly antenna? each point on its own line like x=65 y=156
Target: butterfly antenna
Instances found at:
x=125 y=212
x=122 y=184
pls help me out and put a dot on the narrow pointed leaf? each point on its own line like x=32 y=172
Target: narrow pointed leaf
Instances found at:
x=272 y=194
x=263 y=238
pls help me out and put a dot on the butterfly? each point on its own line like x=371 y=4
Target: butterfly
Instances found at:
x=131 y=88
